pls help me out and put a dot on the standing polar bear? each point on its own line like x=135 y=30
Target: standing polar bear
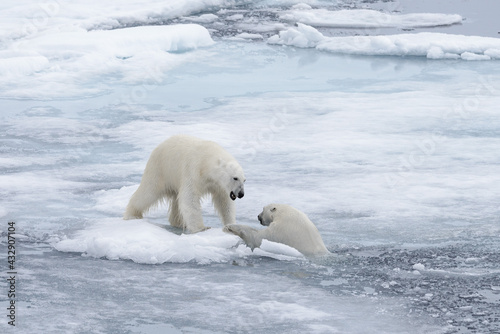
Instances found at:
x=286 y=225
x=182 y=170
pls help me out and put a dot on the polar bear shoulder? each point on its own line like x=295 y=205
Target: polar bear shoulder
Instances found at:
x=285 y=225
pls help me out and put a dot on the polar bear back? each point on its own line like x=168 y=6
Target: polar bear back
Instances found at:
x=181 y=157
x=293 y=228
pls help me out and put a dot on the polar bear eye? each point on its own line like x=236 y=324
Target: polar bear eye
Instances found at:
x=235 y=178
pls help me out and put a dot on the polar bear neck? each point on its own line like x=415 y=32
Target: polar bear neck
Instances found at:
x=213 y=176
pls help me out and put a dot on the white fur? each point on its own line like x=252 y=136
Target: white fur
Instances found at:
x=182 y=170
x=286 y=225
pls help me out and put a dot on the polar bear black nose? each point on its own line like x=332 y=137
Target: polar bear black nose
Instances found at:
x=241 y=194
x=259 y=218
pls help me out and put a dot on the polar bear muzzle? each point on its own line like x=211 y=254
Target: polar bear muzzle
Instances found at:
x=233 y=195
x=261 y=220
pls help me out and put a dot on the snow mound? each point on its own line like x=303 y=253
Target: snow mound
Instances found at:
x=142 y=242
x=430 y=45
x=365 y=18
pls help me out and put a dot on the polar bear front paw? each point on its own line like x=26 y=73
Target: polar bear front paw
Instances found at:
x=133 y=215
x=232 y=229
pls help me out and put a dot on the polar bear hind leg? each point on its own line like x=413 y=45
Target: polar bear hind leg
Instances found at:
x=141 y=201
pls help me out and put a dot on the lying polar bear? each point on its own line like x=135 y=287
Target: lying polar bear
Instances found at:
x=182 y=170
x=286 y=225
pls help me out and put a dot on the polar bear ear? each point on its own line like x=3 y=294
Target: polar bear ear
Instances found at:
x=273 y=209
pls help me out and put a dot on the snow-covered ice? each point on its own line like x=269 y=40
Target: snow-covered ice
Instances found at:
x=384 y=136
x=427 y=44
x=365 y=18
x=45 y=64
x=143 y=242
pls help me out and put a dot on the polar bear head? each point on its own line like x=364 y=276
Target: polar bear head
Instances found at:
x=232 y=179
x=267 y=215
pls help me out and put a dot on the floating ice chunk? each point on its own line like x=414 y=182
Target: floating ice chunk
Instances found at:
x=204 y=18
x=472 y=260
x=303 y=36
x=365 y=18
x=278 y=248
x=419 y=267
x=408 y=44
x=118 y=43
x=493 y=53
x=69 y=59
x=235 y=17
x=291 y=311
x=335 y=282
x=301 y=6
x=436 y=52
x=432 y=45
x=369 y=290
x=249 y=36
x=261 y=27
x=18 y=20
x=474 y=56
x=142 y=242
x=428 y=296
x=183 y=37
